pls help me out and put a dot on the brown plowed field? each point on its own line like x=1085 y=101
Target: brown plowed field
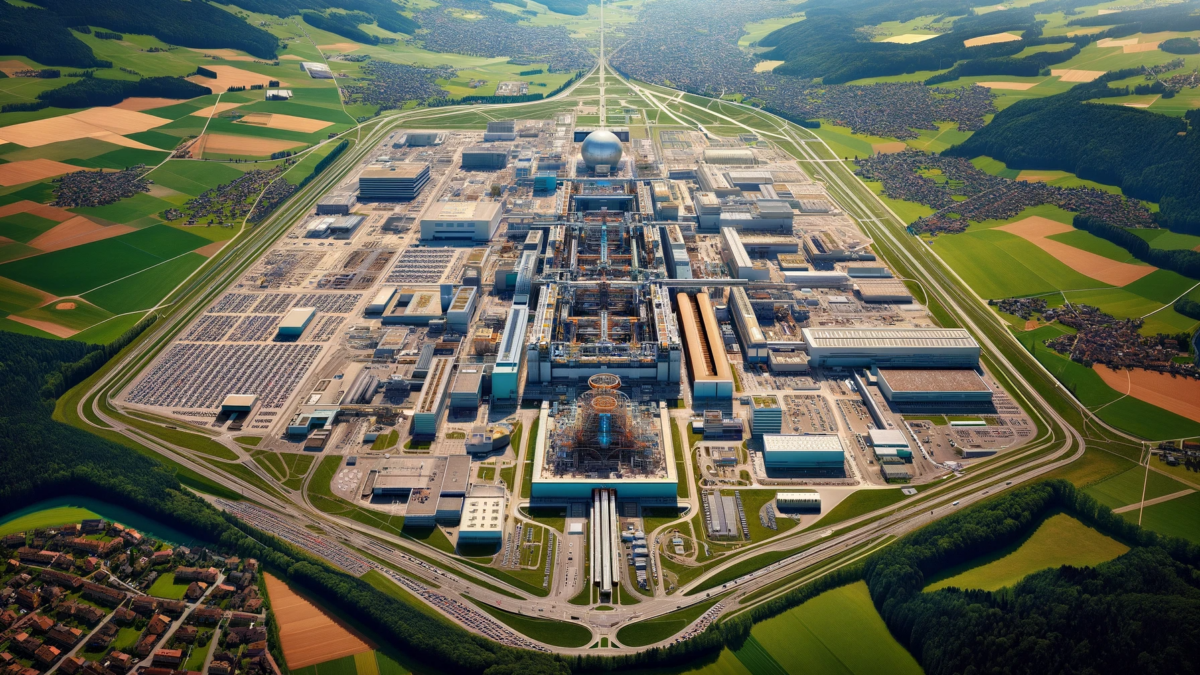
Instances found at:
x=29 y=170
x=215 y=109
x=228 y=76
x=139 y=103
x=105 y=124
x=245 y=146
x=51 y=328
x=285 y=122
x=994 y=38
x=307 y=634
x=43 y=210
x=1180 y=395
x=78 y=230
x=1014 y=86
x=1036 y=230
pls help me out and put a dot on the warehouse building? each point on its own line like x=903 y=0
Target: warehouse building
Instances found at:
x=317 y=71
x=739 y=260
x=939 y=390
x=414 y=307
x=393 y=182
x=898 y=347
x=483 y=515
x=382 y=299
x=459 y=221
x=753 y=339
x=431 y=401
x=808 y=502
x=712 y=376
x=238 y=403
x=295 y=321
x=884 y=290
x=479 y=158
x=807 y=452
x=766 y=415
x=729 y=156
x=823 y=247
x=336 y=205
x=890 y=443
x=502 y=130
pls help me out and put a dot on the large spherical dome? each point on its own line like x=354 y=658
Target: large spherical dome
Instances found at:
x=601 y=147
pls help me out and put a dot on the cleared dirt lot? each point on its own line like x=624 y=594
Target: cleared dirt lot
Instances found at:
x=1036 y=230
x=307 y=634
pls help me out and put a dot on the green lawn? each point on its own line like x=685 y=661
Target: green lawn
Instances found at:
x=642 y=633
x=1059 y=540
x=858 y=503
x=837 y=632
x=165 y=587
x=1174 y=518
x=147 y=288
x=557 y=633
x=59 y=515
x=1126 y=488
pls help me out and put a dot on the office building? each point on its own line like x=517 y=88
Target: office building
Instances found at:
x=393 y=182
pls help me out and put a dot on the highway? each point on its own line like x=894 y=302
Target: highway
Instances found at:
x=345 y=540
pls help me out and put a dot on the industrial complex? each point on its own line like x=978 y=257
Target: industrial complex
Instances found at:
x=602 y=321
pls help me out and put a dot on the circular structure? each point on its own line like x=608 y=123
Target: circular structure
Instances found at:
x=604 y=404
x=601 y=148
x=604 y=381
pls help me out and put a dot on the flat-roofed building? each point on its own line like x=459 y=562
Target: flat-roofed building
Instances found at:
x=393 y=182
x=890 y=443
x=483 y=515
x=935 y=389
x=423 y=306
x=806 y=451
x=336 y=205
x=884 y=290
x=511 y=352
x=750 y=333
x=317 y=71
x=462 y=308
x=480 y=158
x=766 y=415
x=798 y=501
x=899 y=347
x=729 y=156
x=472 y=221
x=295 y=321
x=431 y=401
x=792 y=262
x=788 y=362
x=382 y=299
x=458 y=476
x=467 y=391
x=712 y=376
x=739 y=260
x=239 y=402
x=679 y=263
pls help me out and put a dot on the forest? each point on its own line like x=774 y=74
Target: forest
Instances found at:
x=1149 y=156
x=1182 y=261
x=384 y=12
x=94 y=91
x=344 y=24
x=828 y=45
x=24 y=31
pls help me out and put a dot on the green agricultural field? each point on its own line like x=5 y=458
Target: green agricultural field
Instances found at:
x=1126 y=488
x=557 y=633
x=908 y=211
x=108 y=330
x=1174 y=518
x=16 y=297
x=81 y=315
x=837 y=632
x=145 y=289
x=59 y=515
x=126 y=210
x=937 y=140
x=1000 y=265
x=1059 y=540
x=24 y=227
x=165 y=587
x=1089 y=242
x=995 y=167
x=1166 y=239
x=859 y=502
x=75 y=270
x=193 y=178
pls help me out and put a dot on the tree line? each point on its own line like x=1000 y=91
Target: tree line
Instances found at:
x=94 y=91
x=344 y=24
x=324 y=163
x=1182 y=261
x=1149 y=156
x=384 y=12
x=25 y=31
